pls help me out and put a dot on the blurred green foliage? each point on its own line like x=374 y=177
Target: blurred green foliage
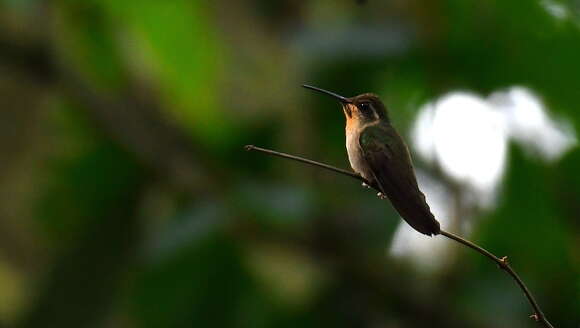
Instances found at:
x=126 y=199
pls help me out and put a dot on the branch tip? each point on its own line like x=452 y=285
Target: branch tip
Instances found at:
x=249 y=147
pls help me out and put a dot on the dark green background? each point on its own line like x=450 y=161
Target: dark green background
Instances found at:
x=126 y=199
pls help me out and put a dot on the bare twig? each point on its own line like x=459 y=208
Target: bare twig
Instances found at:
x=538 y=316
x=307 y=161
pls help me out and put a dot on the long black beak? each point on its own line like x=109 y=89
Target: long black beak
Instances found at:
x=342 y=99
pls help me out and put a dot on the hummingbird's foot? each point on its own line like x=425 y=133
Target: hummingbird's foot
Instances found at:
x=365 y=185
x=381 y=195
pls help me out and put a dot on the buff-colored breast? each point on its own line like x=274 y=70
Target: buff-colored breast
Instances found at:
x=355 y=155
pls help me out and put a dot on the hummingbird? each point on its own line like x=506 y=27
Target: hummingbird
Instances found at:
x=379 y=154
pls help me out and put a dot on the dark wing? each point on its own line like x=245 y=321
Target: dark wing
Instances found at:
x=390 y=162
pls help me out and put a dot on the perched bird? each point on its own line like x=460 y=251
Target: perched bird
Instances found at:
x=378 y=153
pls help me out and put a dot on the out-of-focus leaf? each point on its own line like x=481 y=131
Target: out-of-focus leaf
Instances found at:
x=176 y=44
x=87 y=42
x=85 y=177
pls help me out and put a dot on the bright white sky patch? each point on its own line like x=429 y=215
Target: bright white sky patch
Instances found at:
x=529 y=124
x=470 y=140
x=423 y=133
x=555 y=9
x=467 y=136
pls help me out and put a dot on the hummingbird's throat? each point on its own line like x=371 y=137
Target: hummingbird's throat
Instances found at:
x=347 y=110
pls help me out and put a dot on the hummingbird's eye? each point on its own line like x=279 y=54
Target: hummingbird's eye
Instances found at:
x=365 y=107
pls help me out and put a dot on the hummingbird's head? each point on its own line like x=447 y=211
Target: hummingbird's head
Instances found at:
x=365 y=108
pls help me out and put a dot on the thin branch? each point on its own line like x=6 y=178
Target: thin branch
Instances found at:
x=538 y=316
x=307 y=161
